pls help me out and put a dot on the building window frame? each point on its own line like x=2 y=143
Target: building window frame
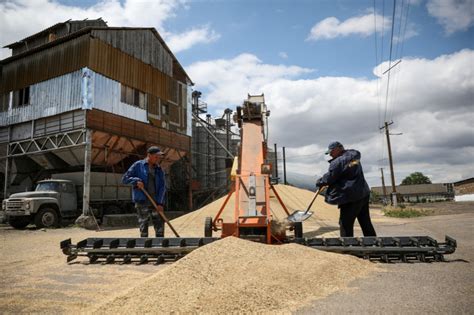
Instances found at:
x=133 y=97
x=21 y=97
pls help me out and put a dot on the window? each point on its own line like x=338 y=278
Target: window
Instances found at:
x=165 y=109
x=4 y=100
x=173 y=91
x=133 y=97
x=21 y=97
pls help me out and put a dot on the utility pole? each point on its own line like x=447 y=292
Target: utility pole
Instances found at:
x=383 y=184
x=284 y=166
x=276 y=163
x=392 y=175
x=209 y=155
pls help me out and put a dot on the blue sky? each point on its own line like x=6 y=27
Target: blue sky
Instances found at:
x=267 y=28
x=316 y=63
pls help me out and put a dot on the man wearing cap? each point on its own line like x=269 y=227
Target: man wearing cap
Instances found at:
x=348 y=189
x=148 y=174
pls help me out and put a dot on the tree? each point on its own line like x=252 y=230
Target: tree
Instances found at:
x=416 y=178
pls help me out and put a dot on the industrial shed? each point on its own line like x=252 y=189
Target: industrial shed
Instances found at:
x=82 y=96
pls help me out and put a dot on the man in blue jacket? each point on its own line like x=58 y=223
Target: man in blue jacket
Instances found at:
x=148 y=174
x=348 y=189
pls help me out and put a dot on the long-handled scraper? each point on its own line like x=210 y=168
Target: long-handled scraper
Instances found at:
x=160 y=212
x=300 y=215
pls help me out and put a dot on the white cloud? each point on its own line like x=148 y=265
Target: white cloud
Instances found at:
x=433 y=108
x=411 y=31
x=183 y=41
x=332 y=27
x=283 y=55
x=453 y=15
x=22 y=18
x=242 y=74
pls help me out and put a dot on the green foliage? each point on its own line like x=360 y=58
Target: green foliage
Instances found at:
x=374 y=196
x=416 y=178
x=404 y=212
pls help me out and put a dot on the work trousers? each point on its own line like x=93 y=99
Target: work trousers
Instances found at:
x=349 y=212
x=145 y=213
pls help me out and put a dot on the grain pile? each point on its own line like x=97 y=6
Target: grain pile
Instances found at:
x=239 y=276
x=325 y=218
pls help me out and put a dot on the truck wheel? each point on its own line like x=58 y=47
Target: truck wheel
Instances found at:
x=208 y=227
x=46 y=218
x=112 y=209
x=19 y=223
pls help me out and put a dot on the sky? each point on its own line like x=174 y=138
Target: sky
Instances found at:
x=322 y=65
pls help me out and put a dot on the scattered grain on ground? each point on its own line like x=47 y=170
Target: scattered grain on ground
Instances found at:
x=239 y=276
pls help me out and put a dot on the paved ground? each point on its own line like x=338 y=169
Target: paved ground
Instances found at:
x=35 y=277
x=416 y=288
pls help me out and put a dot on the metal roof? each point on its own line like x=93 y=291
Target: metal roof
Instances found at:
x=47 y=30
x=85 y=31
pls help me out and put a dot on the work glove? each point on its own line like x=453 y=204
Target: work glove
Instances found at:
x=318 y=183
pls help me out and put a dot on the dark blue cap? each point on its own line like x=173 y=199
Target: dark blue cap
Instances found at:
x=154 y=150
x=333 y=145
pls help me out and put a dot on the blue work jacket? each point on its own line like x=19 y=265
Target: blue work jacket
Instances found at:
x=345 y=179
x=139 y=172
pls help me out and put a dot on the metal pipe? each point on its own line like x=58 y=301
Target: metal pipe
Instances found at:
x=284 y=166
x=87 y=173
x=276 y=164
x=212 y=135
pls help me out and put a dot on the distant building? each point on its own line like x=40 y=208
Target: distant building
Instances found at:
x=80 y=96
x=419 y=193
x=464 y=190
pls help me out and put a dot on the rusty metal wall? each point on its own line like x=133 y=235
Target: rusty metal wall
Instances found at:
x=110 y=65
x=124 y=68
x=48 y=98
x=141 y=44
x=103 y=121
x=45 y=64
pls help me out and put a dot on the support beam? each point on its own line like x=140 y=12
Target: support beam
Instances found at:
x=7 y=166
x=87 y=173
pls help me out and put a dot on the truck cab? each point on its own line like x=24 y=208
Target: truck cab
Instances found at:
x=52 y=200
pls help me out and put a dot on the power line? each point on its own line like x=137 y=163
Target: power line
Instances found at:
x=390 y=60
x=400 y=44
x=376 y=64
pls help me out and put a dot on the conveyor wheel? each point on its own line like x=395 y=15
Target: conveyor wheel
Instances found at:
x=208 y=227
x=298 y=228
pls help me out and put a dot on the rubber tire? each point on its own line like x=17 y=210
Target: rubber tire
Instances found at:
x=19 y=223
x=46 y=218
x=112 y=209
x=208 y=227
x=298 y=229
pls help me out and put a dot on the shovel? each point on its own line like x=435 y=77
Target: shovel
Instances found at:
x=161 y=213
x=300 y=215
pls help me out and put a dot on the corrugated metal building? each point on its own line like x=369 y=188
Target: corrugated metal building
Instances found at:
x=213 y=146
x=419 y=193
x=81 y=95
x=464 y=190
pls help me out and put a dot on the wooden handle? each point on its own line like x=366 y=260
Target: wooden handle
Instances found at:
x=312 y=201
x=161 y=213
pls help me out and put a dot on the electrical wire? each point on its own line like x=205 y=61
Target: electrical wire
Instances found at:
x=400 y=43
x=389 y=61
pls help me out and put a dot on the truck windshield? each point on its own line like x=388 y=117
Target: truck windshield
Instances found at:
x=47 y=187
